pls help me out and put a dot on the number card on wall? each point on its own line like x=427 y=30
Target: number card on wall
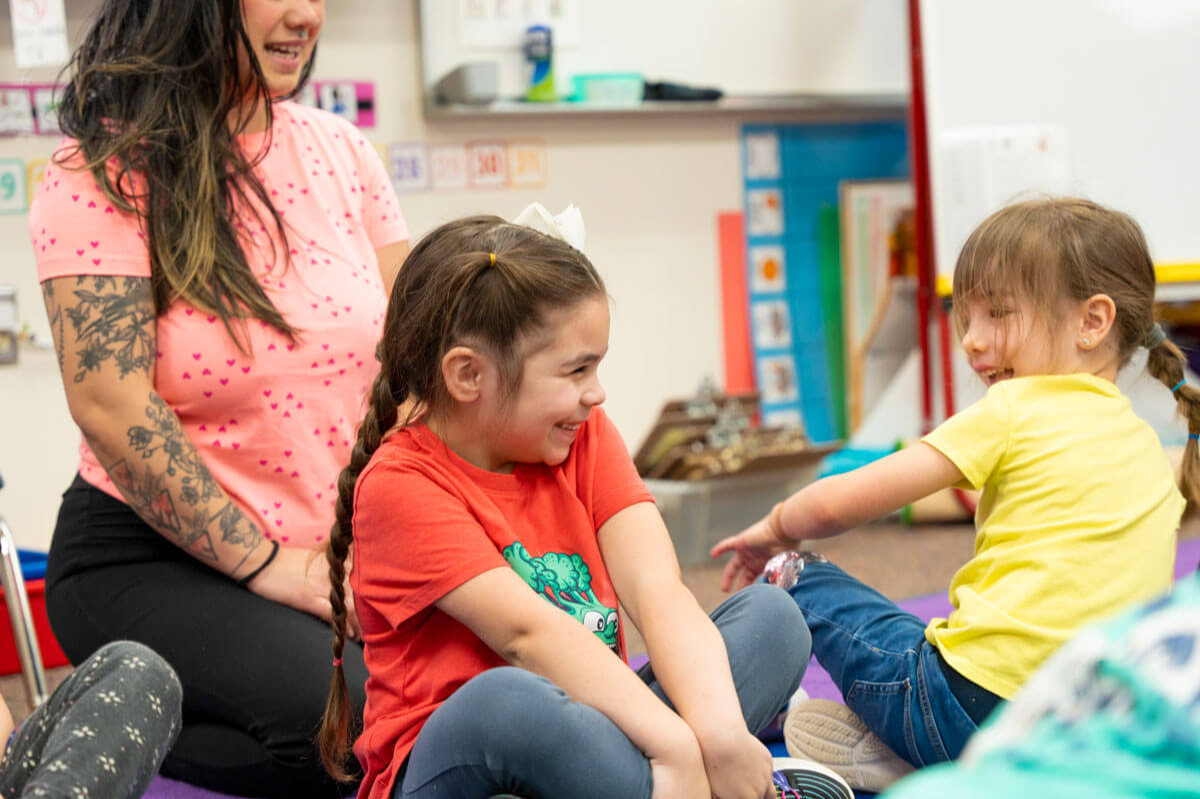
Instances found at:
x=13 y=197
x=409 y=166
x=527 y=164
x=448 y=164
x=487 y=165
x=35 y=170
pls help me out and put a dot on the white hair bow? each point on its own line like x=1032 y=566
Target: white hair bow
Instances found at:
x=567 y=226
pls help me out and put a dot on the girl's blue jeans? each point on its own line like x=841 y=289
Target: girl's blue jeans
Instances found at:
x=508 y=730
x=879 y=659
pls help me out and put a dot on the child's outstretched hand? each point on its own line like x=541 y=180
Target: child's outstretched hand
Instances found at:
x=752 y=548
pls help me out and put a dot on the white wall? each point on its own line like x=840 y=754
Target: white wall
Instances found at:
x=650 y=189
x=762 y=47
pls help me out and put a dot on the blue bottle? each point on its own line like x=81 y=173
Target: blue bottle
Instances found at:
x=539 y=54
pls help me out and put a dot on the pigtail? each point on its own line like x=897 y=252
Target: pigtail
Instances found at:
x=333 y=739
x=1166 y=364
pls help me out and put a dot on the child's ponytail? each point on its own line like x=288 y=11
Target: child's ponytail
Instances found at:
x=382 y=413
x=1166 y=363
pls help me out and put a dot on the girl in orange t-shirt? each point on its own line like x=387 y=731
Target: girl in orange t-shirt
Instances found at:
x=497 y=520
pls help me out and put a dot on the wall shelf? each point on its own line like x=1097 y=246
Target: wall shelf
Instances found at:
x=809 y=107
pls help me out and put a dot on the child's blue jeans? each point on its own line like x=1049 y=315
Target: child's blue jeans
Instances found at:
x=508 y=730
x=878 y=657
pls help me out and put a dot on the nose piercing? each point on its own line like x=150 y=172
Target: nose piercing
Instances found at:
x=304 y=34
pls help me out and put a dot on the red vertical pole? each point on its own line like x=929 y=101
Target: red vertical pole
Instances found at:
x=919 y=150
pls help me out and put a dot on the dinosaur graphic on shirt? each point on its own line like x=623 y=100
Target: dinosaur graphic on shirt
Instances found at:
x=565 y=581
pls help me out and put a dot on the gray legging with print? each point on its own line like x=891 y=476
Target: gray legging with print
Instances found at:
x=103 y=733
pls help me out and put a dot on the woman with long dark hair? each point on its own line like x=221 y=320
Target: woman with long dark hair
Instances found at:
x=215 y=263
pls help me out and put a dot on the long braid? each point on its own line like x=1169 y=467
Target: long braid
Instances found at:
x=381 y=415
x=1166 y=364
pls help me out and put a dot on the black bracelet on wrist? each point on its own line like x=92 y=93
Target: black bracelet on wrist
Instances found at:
x=245 y=581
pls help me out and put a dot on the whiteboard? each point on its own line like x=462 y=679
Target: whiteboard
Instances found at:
x=1116 y=77
x=752 y=47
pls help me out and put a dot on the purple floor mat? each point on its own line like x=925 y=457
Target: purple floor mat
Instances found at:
x=816 y=680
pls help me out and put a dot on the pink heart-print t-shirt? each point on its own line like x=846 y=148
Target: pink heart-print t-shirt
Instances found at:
x=275 y=426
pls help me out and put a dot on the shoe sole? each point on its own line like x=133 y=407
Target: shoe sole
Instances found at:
x=808 y=780
x=831 y=734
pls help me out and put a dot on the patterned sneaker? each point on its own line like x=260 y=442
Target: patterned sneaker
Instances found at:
x=803 y=779
x=831 y=734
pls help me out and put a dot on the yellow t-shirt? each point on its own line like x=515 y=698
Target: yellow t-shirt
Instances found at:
x=1077 y=520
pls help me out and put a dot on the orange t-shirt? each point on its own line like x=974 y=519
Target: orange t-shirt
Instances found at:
x=425 y=522
x=276 y=426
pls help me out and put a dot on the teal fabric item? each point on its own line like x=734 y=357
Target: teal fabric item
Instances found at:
x=1114 y=713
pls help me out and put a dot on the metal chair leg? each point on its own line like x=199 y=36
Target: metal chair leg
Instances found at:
x=21 y=618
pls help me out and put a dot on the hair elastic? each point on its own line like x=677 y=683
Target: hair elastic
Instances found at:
x=337 y=662
x=492 y=257
x=1155 y=337
x=245 y=581
x=1194 y=436
x=1179 y=385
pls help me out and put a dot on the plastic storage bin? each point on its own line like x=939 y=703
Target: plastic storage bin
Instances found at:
x=611 y=88
x=699 y=513
x=33 y=570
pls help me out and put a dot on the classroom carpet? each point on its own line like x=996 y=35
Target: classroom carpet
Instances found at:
x=816 y=680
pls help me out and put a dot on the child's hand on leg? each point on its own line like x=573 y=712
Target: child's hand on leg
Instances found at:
x=738 y=766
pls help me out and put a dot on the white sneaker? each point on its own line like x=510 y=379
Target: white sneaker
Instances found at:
x=801 y=695
x=796 y=778
x=833 y=735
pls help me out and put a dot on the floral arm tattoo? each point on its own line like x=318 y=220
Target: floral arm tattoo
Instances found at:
x=104 y=331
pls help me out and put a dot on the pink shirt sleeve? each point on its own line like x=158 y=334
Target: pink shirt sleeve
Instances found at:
x=76 y=230
x=384 y=222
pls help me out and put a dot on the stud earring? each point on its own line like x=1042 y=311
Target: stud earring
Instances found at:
x=1087 y=342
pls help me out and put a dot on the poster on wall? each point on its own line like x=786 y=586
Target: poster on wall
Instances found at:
x=45 y=109
x=777 y=379
x=762 y=156
x=16 y=109
x=39 y=30
x=768 y=274
x=490 y=24
x=352 y=100
x=765 y=212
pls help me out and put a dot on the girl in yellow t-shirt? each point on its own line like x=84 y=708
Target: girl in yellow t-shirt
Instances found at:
x=1077 y=517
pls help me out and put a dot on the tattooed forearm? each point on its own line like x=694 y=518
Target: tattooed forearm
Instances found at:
x=150 y=498
x=237 y=529
x=166 y=483
x=113 y=320
x=56 y=325
x=166 y=436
